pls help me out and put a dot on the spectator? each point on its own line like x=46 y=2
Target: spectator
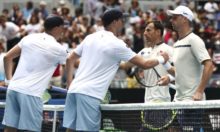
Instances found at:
x=27 y=11
x=43 y=9
x=34 y=25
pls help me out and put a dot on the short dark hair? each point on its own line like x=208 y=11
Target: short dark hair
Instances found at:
x=52 y=22
x=111 y=15
x=158 y=25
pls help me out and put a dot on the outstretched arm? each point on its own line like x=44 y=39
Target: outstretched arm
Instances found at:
x=151 y=62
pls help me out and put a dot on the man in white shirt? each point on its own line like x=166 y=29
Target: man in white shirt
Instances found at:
x=11 y=31
x=154 y=37
x=191 y=55
x=100 y=55
x=192 y=63
x=39 y=56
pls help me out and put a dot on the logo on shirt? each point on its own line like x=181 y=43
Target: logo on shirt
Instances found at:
x=142 y=53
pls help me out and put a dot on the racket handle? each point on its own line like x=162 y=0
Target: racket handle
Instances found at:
x=172 y=86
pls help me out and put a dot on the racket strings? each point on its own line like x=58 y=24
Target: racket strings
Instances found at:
x=150 y=77
x=157 y=119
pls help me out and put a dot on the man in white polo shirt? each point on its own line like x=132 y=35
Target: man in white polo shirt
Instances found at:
x=154 y=37
x=100 y=55
x=191 y=55
x=39 y=56
x=193 y=65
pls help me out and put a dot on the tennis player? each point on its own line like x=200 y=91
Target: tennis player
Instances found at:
x=39 y=56
x=193 y=65
x=100 y=55
x=191 y=55
x=154 y=37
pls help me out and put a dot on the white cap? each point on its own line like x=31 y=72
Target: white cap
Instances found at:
x=182 y=10
x=62 y=2
x=43 y=2
x=134 y=20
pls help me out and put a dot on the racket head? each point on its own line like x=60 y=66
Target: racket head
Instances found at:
x=157 y=119
x=46 y=96
x=107 y=98
x=146 y=78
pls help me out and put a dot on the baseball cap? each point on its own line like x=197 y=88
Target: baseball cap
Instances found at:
x=182 y=10
x=112 y=14
x=52 y=22
x=42 y=2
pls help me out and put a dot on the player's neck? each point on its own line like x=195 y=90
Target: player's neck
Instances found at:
x=111 y=29
x=156 y=43
x=184 y=33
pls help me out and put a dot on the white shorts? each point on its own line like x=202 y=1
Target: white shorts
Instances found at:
x=82 y=113
x=23 y=112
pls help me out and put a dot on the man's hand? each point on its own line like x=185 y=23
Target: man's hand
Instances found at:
x=164 y=80
x=165 y=56
x=198 y=96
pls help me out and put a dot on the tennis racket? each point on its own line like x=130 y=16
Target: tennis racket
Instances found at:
x=148 y=78
x=156 y=120
x=107 y=98
x=46 y=96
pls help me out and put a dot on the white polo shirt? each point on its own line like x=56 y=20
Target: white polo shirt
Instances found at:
x=101 y=54
x=189 y=53
x=40 y=55
x=157 y=93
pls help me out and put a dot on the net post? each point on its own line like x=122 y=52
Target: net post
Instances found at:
x=54 y=120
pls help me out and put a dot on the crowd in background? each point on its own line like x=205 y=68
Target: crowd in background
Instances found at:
x=19 y=21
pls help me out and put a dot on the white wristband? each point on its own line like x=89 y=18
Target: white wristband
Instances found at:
x=167 y=66
x=7 y=82
x=160 y=59
x=172 y=78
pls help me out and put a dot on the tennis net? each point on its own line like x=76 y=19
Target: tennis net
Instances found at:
x=194 y=116
x=201 y=116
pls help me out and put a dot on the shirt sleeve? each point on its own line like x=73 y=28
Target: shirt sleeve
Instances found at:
x=20 y=43
x=198 y=49
x=123 y=52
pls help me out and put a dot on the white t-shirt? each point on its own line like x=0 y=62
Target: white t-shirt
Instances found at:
x=189 y=53
x=157 y=93
x=101 y=54
x=40 y=55
x=11 y=30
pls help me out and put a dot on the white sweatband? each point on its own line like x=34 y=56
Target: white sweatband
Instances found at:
x=160 y=59
x=7 y=82
x=172 y=78
x=167 y=66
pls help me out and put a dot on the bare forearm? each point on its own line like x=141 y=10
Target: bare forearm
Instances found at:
x=144 y=63
x=207 y=72
x=150 y=63
x=70 y=62
x=8 y=66
x=125 y=65
x=8 y=60
x=69 y=70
